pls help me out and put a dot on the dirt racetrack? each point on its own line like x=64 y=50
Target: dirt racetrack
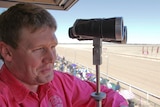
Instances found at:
x=137 y=65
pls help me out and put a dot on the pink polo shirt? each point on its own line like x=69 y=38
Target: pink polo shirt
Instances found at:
x=63 y=91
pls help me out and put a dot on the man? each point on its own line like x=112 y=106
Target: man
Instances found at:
x=27 y=78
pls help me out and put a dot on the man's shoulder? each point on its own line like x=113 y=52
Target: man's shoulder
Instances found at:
x=62 y=74
x=62 y=79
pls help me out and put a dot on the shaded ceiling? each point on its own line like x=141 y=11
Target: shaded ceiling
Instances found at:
x=47 y=4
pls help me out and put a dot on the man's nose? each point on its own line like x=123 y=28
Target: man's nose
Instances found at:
x=50 y=56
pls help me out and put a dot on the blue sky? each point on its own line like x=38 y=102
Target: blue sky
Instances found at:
x=141 y=17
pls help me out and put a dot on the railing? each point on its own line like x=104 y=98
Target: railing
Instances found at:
x=143 y=98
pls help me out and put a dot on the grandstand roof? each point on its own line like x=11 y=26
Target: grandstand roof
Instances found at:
x=48 y=4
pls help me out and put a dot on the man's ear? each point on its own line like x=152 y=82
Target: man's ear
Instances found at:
x=5 y=52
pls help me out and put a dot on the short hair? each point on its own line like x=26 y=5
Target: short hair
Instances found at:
x=23 y=15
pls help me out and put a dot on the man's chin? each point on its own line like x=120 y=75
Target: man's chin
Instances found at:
x=46 y=79
x=49 y=78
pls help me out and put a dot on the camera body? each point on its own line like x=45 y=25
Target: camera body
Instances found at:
x=110 y=30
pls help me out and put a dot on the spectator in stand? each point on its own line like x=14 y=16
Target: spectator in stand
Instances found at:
x=109 y=85
x=117 y=87
x=27 y=78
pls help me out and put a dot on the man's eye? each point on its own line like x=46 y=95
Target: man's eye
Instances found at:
x=53 y=47
x=38 y=50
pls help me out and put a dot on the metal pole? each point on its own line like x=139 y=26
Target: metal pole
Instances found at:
x=97 y=50
x=98 y=85
x=107 y=66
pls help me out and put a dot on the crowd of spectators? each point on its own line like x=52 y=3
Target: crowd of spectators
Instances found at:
x=80 y=71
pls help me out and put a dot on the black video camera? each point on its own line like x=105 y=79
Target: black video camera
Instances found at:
x=110 y=30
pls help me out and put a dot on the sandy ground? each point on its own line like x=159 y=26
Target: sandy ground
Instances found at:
x=136 y=65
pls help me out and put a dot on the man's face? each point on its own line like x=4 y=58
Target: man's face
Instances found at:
x=33 y=61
